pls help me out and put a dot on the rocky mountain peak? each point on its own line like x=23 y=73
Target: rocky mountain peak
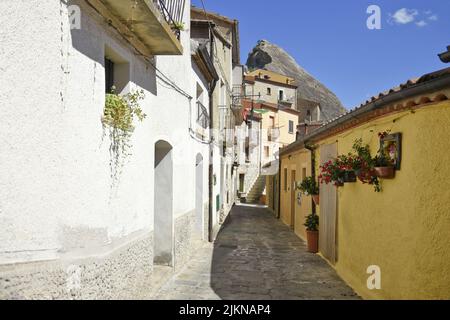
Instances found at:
x=266 y=55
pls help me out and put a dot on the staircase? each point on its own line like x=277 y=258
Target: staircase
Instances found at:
x=256 y=190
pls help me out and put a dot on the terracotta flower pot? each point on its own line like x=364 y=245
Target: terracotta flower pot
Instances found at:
x=312 y=238
x=262 y=200
x=385 y=172
x=316 y=198
x=350 y=176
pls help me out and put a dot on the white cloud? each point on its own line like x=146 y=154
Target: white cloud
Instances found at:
x=405 y=16
x=433 y=17
x=421 y=23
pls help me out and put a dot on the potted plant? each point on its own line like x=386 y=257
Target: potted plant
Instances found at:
x=312 y=232
x=179 y=26
x=338 y=171
x=383 y=166
x=364 y=165
x=309 y=187
x=332 y=172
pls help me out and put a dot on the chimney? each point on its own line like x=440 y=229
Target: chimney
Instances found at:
x=445 y=56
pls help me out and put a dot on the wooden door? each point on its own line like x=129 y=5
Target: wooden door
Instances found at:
x=328 y=209
x=293 y=199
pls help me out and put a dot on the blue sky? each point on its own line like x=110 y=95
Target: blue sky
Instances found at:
x=331 y=41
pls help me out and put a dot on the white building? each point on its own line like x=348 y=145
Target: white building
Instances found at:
x=72 y=223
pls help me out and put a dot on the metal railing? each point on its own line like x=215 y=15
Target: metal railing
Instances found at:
x=202 y=115
x=172 y=11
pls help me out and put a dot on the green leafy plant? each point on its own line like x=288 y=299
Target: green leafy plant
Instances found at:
x=118 y=117
x=308 y=186
x=365 y=164
x=312 y=222
x=358 y=161
x=335 y=170
x=381 y=160
x=178 y=26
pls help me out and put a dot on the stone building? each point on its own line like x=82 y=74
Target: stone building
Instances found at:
x=403 y=230
x=219 y=36
x=271 y=99
x=87 y=210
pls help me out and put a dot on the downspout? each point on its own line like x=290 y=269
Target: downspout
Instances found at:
x=279 y=188
x=211 y=155
x=313 y=172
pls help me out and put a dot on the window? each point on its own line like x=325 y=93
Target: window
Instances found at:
x=272 y=121
x=269 y=91
x=291 y=126
x=281 y=95
x=109 y=75
x=267 y=151
x=241 y=182
x=117 y=72
x=285 y=178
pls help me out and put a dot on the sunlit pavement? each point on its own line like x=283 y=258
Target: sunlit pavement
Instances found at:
x=255 y=257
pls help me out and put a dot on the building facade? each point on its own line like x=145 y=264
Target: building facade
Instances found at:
x=220 y=37
x=273 y=98
x=87 y=210
x=402 y=231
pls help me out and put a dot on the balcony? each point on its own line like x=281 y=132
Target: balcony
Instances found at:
x=202 y=116
x=149 y=25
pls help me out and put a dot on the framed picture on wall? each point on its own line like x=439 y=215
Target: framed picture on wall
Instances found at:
x=392 y=146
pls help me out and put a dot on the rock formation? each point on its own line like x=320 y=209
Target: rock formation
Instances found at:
x=273 y=58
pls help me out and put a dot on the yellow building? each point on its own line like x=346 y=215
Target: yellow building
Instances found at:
x=404 y=230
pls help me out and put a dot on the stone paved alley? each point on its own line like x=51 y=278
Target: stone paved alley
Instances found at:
x=255 y=257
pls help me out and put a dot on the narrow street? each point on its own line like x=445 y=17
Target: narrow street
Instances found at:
x=255 y=257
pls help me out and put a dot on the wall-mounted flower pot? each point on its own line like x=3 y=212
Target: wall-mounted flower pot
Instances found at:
x=312 y=238
x=316 y=199
x=385 y=172
x=349 y=176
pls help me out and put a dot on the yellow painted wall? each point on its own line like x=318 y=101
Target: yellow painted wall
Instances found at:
x=281 y=120
x=405 y=229
x=301 y=163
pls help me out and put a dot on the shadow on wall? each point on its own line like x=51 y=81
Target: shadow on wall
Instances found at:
x=257 y=257
x=98 y=41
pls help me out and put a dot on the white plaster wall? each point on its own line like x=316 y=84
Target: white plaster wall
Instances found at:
x=55 y=195
x=29 y=136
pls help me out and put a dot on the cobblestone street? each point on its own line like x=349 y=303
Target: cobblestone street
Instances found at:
x=255 y=257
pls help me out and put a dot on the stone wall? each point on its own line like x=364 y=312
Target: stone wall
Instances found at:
x=123 y=274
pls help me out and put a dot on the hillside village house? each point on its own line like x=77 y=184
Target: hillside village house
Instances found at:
x=219 y=36
x=404 y=229
x=273 y=99
x=80 y=216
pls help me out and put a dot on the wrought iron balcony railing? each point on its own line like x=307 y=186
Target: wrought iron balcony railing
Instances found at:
x=172 y=11
x=202 y=115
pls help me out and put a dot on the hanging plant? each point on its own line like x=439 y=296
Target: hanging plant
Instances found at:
x=333 y=171
x=118 y=118
x=344 y=168
x=308 y=186
x=364 y=165
x=178 y=26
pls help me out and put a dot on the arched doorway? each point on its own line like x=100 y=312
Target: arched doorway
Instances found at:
x=199 y=223
x=163 y=204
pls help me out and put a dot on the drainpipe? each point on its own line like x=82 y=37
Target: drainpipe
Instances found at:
x=279 y=187
x=211 y=155
x=313 y=172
